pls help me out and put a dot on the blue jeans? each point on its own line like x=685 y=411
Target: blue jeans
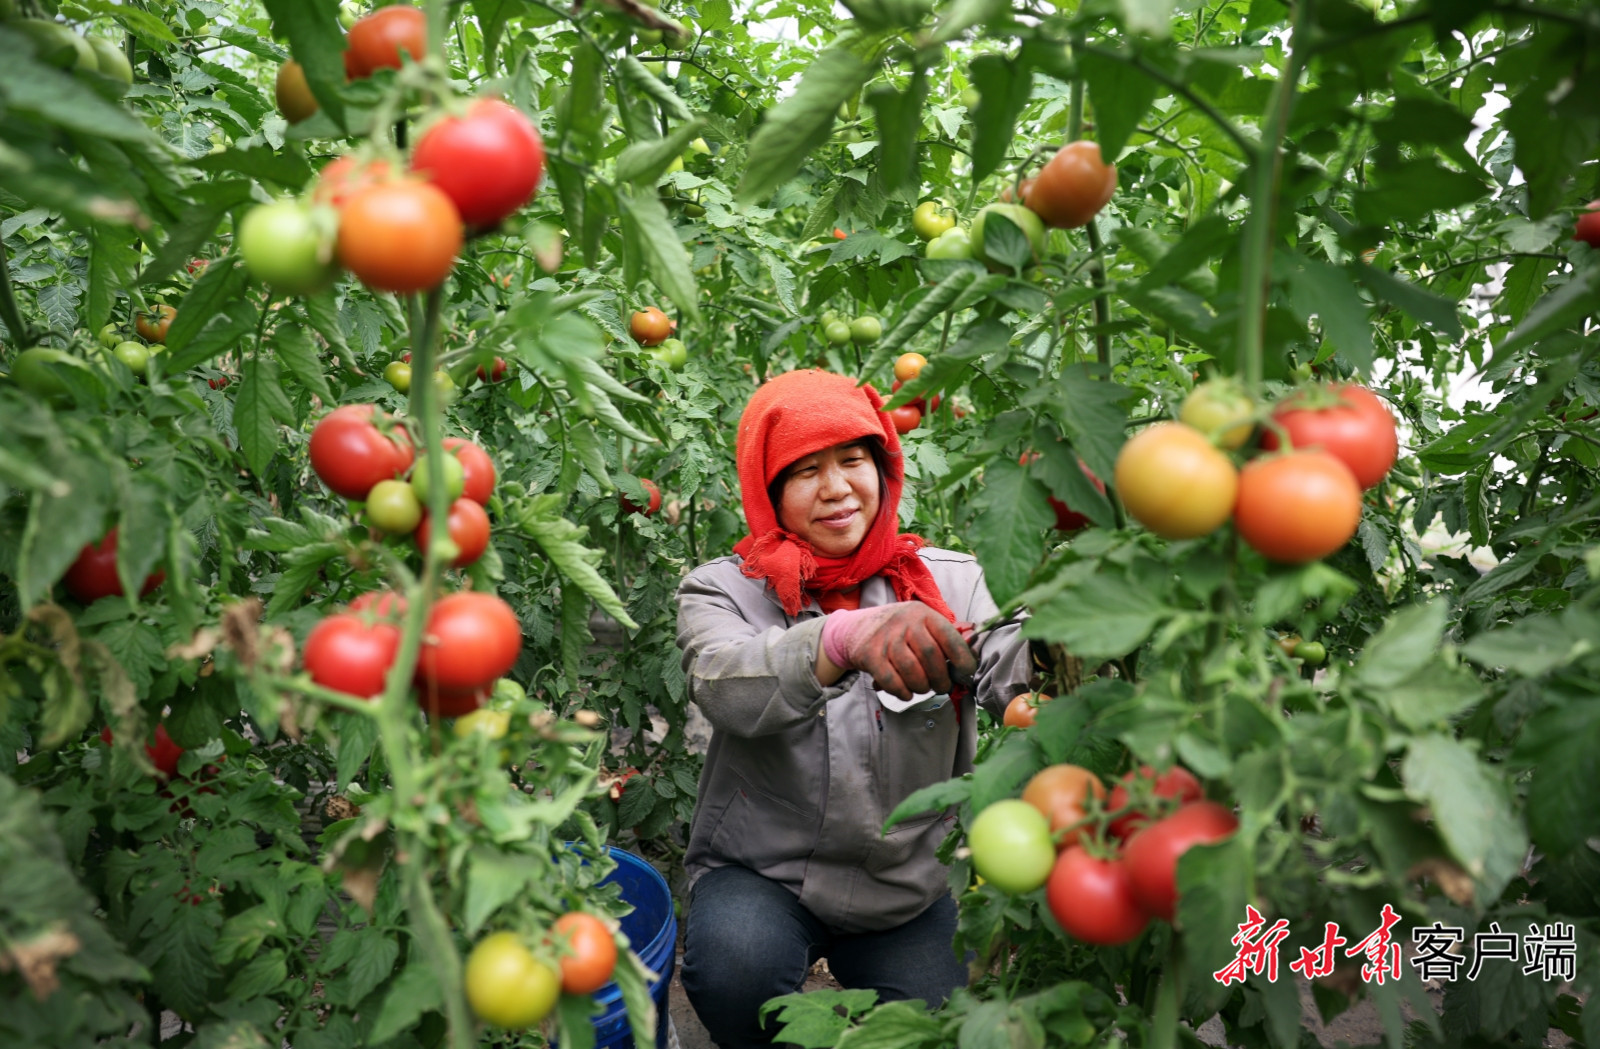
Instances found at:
x=749 y=939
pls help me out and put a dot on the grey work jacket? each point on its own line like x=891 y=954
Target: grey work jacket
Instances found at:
x=799 y=778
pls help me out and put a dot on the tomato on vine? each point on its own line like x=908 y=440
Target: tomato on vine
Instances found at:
x=506 y=985
x=455 y=477
x=293 y=94
x=650 y=489
x=930 y=219
x=399 y=236
x=398 y=375
x=1588 y=227
x=153 y=325
x=471 y=639
x=1221 y=410
x=1174 y=482
x=286 y=247
x=378 y=40
x=1152 y=856
x=1061 y=793
x=1023 y=710
x=905 y=418
x=1093 y=899
x=344 y=177
x=1018 y=215
x=393 y=508
x=348 y=653
x=477 y=469
x=951 y=244
x=1175 y=784
x=488 y=162
x=93 y=574
x=351 y=454
x=1073 y=187
x=589 y=952
x=1349 y=422
x=1298 y=506
x=908 y=366
x=469 y=530
x=649 y=327
x=1011 y=846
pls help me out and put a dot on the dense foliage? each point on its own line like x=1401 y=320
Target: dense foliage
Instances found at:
x=1325 y=191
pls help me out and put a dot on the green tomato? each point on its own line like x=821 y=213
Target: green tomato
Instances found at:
x=828 y=317
x=54 y=43
x=109 y=336
x=837 y=332
x=970 y=97
x=1011 y=846
x=930 y=220
x=349 y=14
x=676 y=165
x=398 y=375
x=111 y=60
x=1030 y=224
x=951 y=244
x=672 y=353
x=1221 y=410
x=864 y=331
x=36 y=371
x=693 y=210
x=1311 y=653
x=699 y=146
x=647 y=37
x=446 y=386
x=134 y=354
x=393 y=507
x=508 y=693
x=285 y=246
x=491 y=723
x=455 y=477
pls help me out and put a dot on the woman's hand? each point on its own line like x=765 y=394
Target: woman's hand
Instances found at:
x=906 y=647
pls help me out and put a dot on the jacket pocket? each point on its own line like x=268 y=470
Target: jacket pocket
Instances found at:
x=768 y=837
x=919 y=749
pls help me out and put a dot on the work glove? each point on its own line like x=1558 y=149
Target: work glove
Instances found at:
x=905 y=647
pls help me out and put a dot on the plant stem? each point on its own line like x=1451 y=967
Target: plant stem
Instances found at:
x=20 y=333
x=1256 y=265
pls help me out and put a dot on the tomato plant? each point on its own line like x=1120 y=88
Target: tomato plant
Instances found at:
x=472 y=639
x=1072 y=187
x=1176 y=784
x=347 y=653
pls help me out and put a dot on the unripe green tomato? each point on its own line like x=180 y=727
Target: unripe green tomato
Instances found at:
x=929 y=220
x=951 y=244
x=134 y=354
x=393 y=507
x=828 y=317
x=970 y=97
x=1311 y=653
x=1011 y=846
x=34 y=371
x=1220 y=409
x=491 y=723
x=285 y=247
x=111 y=60
x=647 y=37
x=699 y=146
x=676 y=165
x=864 y=331
x=838 y=332
x=446 y=386
x=508 y=692
x=349 y=14
x=455 y=477
x=672 y=353
x=693 y=210
x=109 y=336
x=398 y=375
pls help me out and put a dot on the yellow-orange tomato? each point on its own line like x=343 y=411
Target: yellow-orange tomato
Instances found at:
x=1024 y=709
x=1174 y=482
x=908 y=366
x=1072 y=187
x=293 y=93
x=591 y=952
x=1061 y=793
x=346 y=176
x=399 y=236
x=649 y=327
x=1297 y=507
x=153 y=326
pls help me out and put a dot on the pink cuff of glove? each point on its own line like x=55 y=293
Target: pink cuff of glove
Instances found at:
x=837 y=632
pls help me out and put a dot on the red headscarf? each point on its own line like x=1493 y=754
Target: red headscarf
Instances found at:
x=791 y=417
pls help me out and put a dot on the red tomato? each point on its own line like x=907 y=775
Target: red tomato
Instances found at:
x=1298 y=506
x=153 y=326
x=477 y=469
x=351 y=454
x=1023 y=710
x=399 y=236
x=1072 y=187
x=839 y=234
x=655 y=499
x=381 y=604
x=1588 y=228
x=94 y=574
x=347 y=653
x=488 y=162
x=905 y=418
x=1092 y=899
x=469 y=530
x=445 y=703
x=162 y=751
x=1356 y=429
x=471 y=639
x=1152 y=855
x=377 y=40
x=1068 y=519
x=589 y=952
x=1177 y=783
x=1061 y=793
x=649 y=327
x=498 y=371
x=346 y=176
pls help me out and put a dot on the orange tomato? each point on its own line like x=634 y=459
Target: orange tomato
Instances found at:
x=1061 y=793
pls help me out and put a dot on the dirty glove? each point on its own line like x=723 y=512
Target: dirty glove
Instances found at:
x=906 y=647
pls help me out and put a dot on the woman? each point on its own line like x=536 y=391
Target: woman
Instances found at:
x=828 y=658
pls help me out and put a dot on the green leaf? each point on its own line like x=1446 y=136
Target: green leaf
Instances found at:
x=1421 y=304
x=575 y=1020
x=1562 y=814
x=1562 y=308
x=1121 y=96
x=1414 y=191
x=286 y=169
x=62 y=520
x=1008 y=533
x=932 y=798
x=318 y=41
x=812 y=1020
x=1470 y=807
x=494 y=879
x=895 y=1025
x=957 y=17
x=1105 y=617
x=262 y=974
x=632 y=72
x=294 y=348
x=1203 y=242
x=1316 y=288
x=1004 y=85
x=209 y=202
x=561 y=540
x=113 y=263
x=1152 y=18
x=33 y=89
x=644 y=162
x=899 y=115
x=219 y=285
x=801 y=122
x=1407 y=642
x=664 y=253
x=941 y=298
x=1092 y=416
x=260 y=406
x=414 y=992
x=224 y=334
x=1534 y=646
x=632 y=979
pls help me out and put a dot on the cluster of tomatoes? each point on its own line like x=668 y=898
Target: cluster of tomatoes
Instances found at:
x=510 y=986
x=395 y=231
x=1109 y=864
x=862 y=331
x=908 y=416
x=1293 y=504
x=654 y=330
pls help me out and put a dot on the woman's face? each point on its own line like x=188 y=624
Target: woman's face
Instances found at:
x=830 y=498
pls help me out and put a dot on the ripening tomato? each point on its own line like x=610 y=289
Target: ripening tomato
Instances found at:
x=1588 y=228
x=393 y=508
x=908 y=366
x=469 y=530
x=649 y=327
x=378 y=39
x=649 y=486
x=1221 y=410
x=399 y=236
x=505 y=984
x=162 y=751
x=1023 y=710
x=93 y=574
x=381 y=604
x=1092 y=899
x=1072 y=187
x=351 y=454
x=348 y=653
x=589 y=955
x=477 y=469
x=471 y=639
x=1349 y=422
x=905 y=418
x=1011 y=846
x=1297 y=506
x=153 y=326
x=1177 y=783
x=487 y=162
x=1068 y=519
x=498 y=370
x=1152 y=856
x=1061 y=794
x=1174 y=482
x=346 y=176
x=450 y=703
x=293 y=93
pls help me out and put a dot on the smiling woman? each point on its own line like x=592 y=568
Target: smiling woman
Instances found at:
x=827 y=655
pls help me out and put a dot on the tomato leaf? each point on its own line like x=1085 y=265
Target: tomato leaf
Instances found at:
x=294 y=348
x=899 y=116
x=1470 y=807
x=540 y=518
x=1121 y=96
x=113 y=265
x=575 y=1021
x=663 y=252
x=414 y=992
x=1318 y=289
x=632 y=72
x=259 y=407
x=1008 y=533
x=632 y=978
x=209 y=202
x=932 y=798
x=1106 y=616
x=644 y=162
x=220 y=285
x=802 y=122
x=1004 y=85
x=1421 y=304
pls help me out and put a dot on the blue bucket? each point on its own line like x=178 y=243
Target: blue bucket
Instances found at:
x=652 y=929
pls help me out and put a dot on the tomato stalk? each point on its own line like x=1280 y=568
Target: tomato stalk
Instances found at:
x=1097 y=270
x=1256 y=263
